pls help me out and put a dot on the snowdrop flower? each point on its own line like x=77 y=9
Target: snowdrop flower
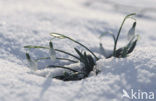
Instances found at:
x=33 y=64
x=131 y=32
x=52 y=52
x=106 y=53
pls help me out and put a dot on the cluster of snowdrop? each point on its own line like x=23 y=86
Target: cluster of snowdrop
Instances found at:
x=87 y=59
x=123 y=51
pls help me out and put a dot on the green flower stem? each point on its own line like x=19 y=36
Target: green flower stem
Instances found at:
x=30 y=46
x=42 y=58
x=85 y=47
x=63 y=36
x=115 y=43
x=67 y=53
x=57 y=58
x=53 y=66
x=67 y=60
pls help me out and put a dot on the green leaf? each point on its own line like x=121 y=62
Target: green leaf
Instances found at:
x=91 y=60
x=85 y=55
x=124 y=52
x=79 y=53
x=118 y=52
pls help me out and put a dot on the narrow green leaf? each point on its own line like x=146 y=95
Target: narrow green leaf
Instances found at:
x=85 y=55
x=78 y=52
x=124 y=52
x=118 y=52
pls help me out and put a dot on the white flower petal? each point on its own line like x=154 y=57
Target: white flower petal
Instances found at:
x=131 y=32
x=52 y=54
x=106 y=53
x=33 y=65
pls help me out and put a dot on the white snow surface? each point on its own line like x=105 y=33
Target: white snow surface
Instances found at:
x=29 y=22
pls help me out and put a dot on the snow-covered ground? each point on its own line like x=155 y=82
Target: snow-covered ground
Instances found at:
x=29 y=22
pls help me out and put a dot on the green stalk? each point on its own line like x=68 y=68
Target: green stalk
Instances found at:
x=56 y=58
x=67 y=53
x=115 y=43
x=63 y=36
x=30 y=46
x=67 y=60
x=53 y=66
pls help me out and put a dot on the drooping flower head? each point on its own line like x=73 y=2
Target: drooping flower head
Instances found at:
x=131 y=32
x=52 y=52
x=32 y=63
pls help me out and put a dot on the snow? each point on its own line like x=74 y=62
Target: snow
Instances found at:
x=29 y=22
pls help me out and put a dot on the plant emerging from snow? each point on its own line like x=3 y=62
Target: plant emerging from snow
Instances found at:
x=123 y=51
x=88 y=60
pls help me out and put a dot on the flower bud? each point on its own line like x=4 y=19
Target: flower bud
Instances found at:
x=52 y=52
x=104 y=52
x=32 y=64
x=131 y=32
